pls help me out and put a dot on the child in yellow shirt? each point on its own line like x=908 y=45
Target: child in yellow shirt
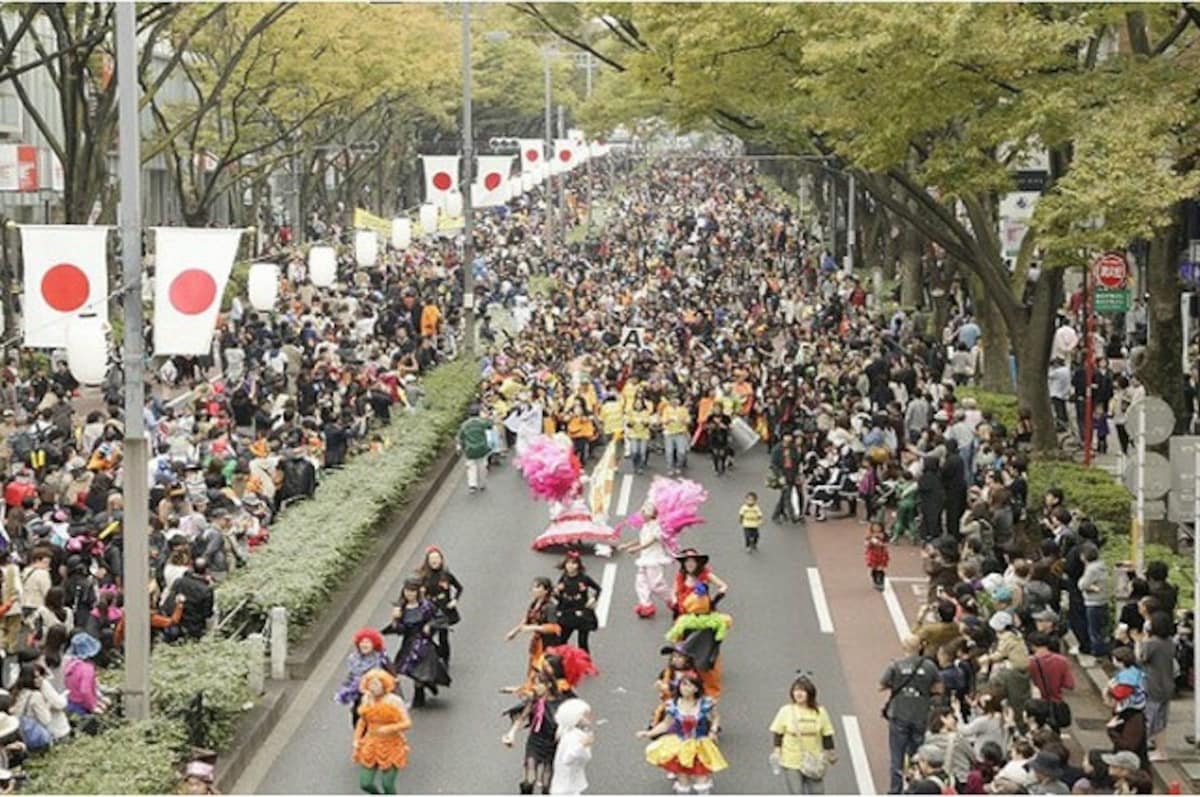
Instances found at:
x=751 y=516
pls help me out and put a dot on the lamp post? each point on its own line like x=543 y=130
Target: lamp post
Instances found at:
x=135 y=525
x=468 y=264
x=548 y=160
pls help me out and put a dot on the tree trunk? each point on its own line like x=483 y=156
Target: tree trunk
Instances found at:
x=1161 y=371
x=996 y=375
x=910 y=268
x=1033 y=359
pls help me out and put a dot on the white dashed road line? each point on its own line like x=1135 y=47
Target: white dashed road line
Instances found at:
x=607 y=582
x=824 y=618
x=893 y=607
x=858 y=755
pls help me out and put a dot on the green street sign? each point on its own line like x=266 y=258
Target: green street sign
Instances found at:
x=1112 y=301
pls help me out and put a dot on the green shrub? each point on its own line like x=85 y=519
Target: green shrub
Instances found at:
x=316 y=543
x=1092 y=491
x=239 y=279
x=1118 y=550
x=130 y=758
x=1002 y=406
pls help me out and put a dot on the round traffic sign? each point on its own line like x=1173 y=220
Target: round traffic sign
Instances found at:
x=1111 y=270
x=1160 y=419
x=1157 y=478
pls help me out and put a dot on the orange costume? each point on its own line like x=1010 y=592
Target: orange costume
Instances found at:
x=379 y=741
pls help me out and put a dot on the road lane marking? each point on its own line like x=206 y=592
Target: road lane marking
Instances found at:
x=858 y=755
x=906 y=579
x=824 y=619
x=893 y=607
x=626 y=492
x=607 y=582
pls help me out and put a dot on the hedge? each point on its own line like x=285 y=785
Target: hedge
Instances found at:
x=312 y=549
x=1092 y=491
x=1003 y=407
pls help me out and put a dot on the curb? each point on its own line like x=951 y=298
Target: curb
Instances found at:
x=392 y=531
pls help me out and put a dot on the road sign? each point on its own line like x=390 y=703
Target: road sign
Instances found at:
x=1111 y=270
x=1160 y=419
x=1105 y=300
x=1158 y=475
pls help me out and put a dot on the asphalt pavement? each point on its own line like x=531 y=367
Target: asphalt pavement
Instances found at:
x=455 y=744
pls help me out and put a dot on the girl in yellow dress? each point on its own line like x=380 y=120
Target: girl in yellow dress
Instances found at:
x=685 y=740
x=379 y=744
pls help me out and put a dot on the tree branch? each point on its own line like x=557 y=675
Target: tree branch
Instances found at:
x=531 y=10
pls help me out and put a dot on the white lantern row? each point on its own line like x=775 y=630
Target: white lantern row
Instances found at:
x=401 y=233
x=87 y=348
x=322 y=266
x=263 y=286
x=429 y=219
x=454 y=205
x=366 y=248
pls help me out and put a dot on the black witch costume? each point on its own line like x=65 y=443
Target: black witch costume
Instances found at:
x=418 y=656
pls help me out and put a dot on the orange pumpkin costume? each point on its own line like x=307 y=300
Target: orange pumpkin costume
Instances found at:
x=379 y=741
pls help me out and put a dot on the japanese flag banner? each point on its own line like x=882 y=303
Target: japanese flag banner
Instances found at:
x=565 y=156
x=441 y=178
x=65 y=274
x=533 y=157
x=492 y=188
x=192 y=267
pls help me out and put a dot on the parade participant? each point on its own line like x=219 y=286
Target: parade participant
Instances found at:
x=576 y=594
x=536 y=713
x=679 y=661
x=368 y=654
x=685 y=740
x=803 y=740
x=472 y=443
x=717 y=430
x=698 y=628
x=638 y=422
x=750 y=515
x=696 y=577
x=650 y=581
x=671 y=506
x=554 y=474
x=380 y=748
x=442 y=589
x=876 y=546
x=540 y=622
x=675 y=422
x=575 y=740
x=414 y=618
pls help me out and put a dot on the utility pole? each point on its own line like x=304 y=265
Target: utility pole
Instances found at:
x=468 y=264
x=850 y=232
x=588 y=61
x=136 y=523
x=548 y=159
x=562 y=183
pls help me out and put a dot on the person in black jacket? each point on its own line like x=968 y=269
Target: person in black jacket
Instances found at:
x=197 y=591
x=442 y=589
x=954 y=483
x=932 y=495
x=576 y=594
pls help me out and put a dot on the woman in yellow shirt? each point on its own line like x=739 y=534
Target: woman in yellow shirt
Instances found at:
x=675 y=421
x=637 y=432
x=803 y=736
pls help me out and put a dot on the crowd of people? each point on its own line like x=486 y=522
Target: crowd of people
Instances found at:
x=706 y=317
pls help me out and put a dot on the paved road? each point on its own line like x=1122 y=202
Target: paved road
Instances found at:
x=456 y=740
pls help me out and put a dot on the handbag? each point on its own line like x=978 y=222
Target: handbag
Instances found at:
x=812 y=765
x=35 y=735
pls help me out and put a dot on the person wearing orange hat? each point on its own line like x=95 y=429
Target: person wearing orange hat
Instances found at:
x=380 y=748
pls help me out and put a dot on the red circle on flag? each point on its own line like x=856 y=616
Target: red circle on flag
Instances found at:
x=193 y=291
x=532 y=155
x=442 y=181
x=565 y=155
x=492 y=181
x=65 y=287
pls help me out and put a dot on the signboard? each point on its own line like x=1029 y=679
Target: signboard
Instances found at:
x=1112 y=301
x=1030 y=180
x=18 y=168
x=1111 y=270
x=633 y=336
x=1182 y=505
x=1160 y=419
x=1157 y=478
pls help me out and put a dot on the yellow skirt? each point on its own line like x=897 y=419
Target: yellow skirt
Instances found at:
x=685 y=757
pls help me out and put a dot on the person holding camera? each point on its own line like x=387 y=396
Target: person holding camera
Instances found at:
x=911 y=683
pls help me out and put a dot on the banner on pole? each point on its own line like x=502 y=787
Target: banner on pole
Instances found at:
x=65 y=273
x=192 y=267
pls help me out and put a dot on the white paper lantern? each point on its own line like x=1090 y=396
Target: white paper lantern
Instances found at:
x=366 y=248
x=528 y=181
x=454 y=205
x=401 y=233
x=322 y=266
x=429 y=219
x=263 y=286
x=87 y=348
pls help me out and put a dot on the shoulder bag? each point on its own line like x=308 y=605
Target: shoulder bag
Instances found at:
x=812 y=765
x=1060 y=711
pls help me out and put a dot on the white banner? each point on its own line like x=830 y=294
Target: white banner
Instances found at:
x=441 y=178
x=565 y=156
x=65 y=274
x=533 y=157
x=192 y=267
x=492 y=187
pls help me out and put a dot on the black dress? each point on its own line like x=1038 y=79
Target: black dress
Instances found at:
x=418 y=656
x=440 y=587
x=573 y=594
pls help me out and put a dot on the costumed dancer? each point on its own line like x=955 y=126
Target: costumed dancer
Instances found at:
x=576 y=594
x=554 y=474
x=876 y=553
x=379 y=744
x=541 y=623
x=679 y=661
x=575 y=739
x=368 y=654
x=536 y=714
x=415 y=619
x=685 y=740
x=442 y=589
x=671 y=506
x=699 y=629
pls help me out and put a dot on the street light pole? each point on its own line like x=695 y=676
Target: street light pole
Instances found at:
x=468 y=264
x=548 y=160
x=589 y=154
x=135 y=525
x=561 y=208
